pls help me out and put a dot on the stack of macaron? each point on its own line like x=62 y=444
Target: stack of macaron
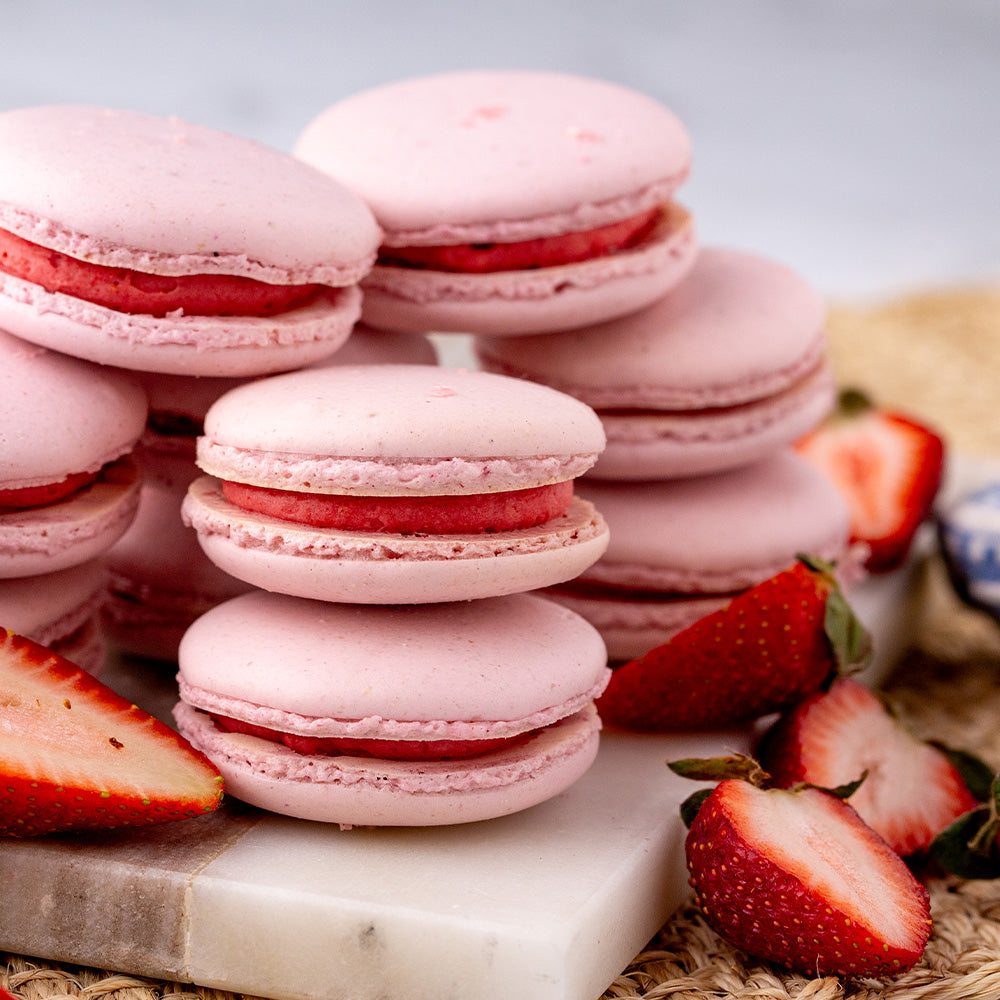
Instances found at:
x=702 y=395
x=536 y=212
x=160 y=580
x=69 y=488
x=181 y=258
x=389 y=666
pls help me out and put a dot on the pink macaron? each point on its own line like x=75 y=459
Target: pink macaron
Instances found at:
x=396 y=484
x=511 y=201
x=718 y=373
x=68 y=485
x=392 y=716
x=160 y=579
x=153 y=244
x=61 y=611
x=681 y=549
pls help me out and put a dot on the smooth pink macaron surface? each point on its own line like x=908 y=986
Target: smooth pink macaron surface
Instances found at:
x=61 y=611
x=519 y=669
x=62 y=420
x=682 y=548
x=474 y=159
x=95 y=190
x=721 y=371
x=401 y=454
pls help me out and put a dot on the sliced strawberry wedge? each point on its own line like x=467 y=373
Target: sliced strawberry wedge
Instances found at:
x=912 y=789
x=799 y=879
x=763 y=652
x=887 y=465
x=73 y=754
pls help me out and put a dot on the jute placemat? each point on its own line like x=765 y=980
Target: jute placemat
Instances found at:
x=937 y=355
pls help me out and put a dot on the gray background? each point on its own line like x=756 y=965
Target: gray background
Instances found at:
x=857 y=140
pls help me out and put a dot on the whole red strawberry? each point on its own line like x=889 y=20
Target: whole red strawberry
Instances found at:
x=912 y=789
x=887 y=465
x=73 y=754
x=797 y=878
x=763 y=652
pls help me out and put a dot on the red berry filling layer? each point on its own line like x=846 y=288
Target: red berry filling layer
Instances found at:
x=38 y=496
x=435 y=515
x=417 y=750
x=129 y=291
x=544 y=251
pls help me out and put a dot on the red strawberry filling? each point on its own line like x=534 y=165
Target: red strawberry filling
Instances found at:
x=475 y=513
x=416 y=750
x=24 y=497
x=544 y=251
x=129 y=291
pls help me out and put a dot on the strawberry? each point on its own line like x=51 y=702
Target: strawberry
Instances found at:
x=764 y=651
x=887 y=465
x=73 y=754
x=912 y=790
x=796 y=877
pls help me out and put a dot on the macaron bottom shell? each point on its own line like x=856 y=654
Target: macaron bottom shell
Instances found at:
x=73 y=530
x=180 y=344
x=357 y=791
x=650 y=445
x=372 y=568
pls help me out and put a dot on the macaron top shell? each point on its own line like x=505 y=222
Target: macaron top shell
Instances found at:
x=717 y=533
x=60 y=415
x=495 y=665
x=159 y=195
x=398 y=429
x=488 y=155
x=739 y=327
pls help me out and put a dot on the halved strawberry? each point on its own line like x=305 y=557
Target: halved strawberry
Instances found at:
x=796 y=877
x=912 y=789
x=764 y=651
x=887 y=465
x=73 y=754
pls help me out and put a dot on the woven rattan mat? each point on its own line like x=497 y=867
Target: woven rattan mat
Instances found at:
x=937 y=355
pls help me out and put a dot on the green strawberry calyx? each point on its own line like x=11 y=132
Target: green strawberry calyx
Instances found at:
x=741 y=767
x=849 y=640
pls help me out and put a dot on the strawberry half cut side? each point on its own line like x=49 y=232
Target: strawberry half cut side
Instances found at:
x=912 y=789
x=764 y=651
x=796 y=877
x=74 y=754
x=888 y=467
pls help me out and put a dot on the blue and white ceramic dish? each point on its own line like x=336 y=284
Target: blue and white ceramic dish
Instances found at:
x=969 y=529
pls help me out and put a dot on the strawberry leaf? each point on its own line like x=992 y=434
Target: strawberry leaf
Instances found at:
x=719 y=768
x=691 y=805
x=975 y=772
x=968 y=847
